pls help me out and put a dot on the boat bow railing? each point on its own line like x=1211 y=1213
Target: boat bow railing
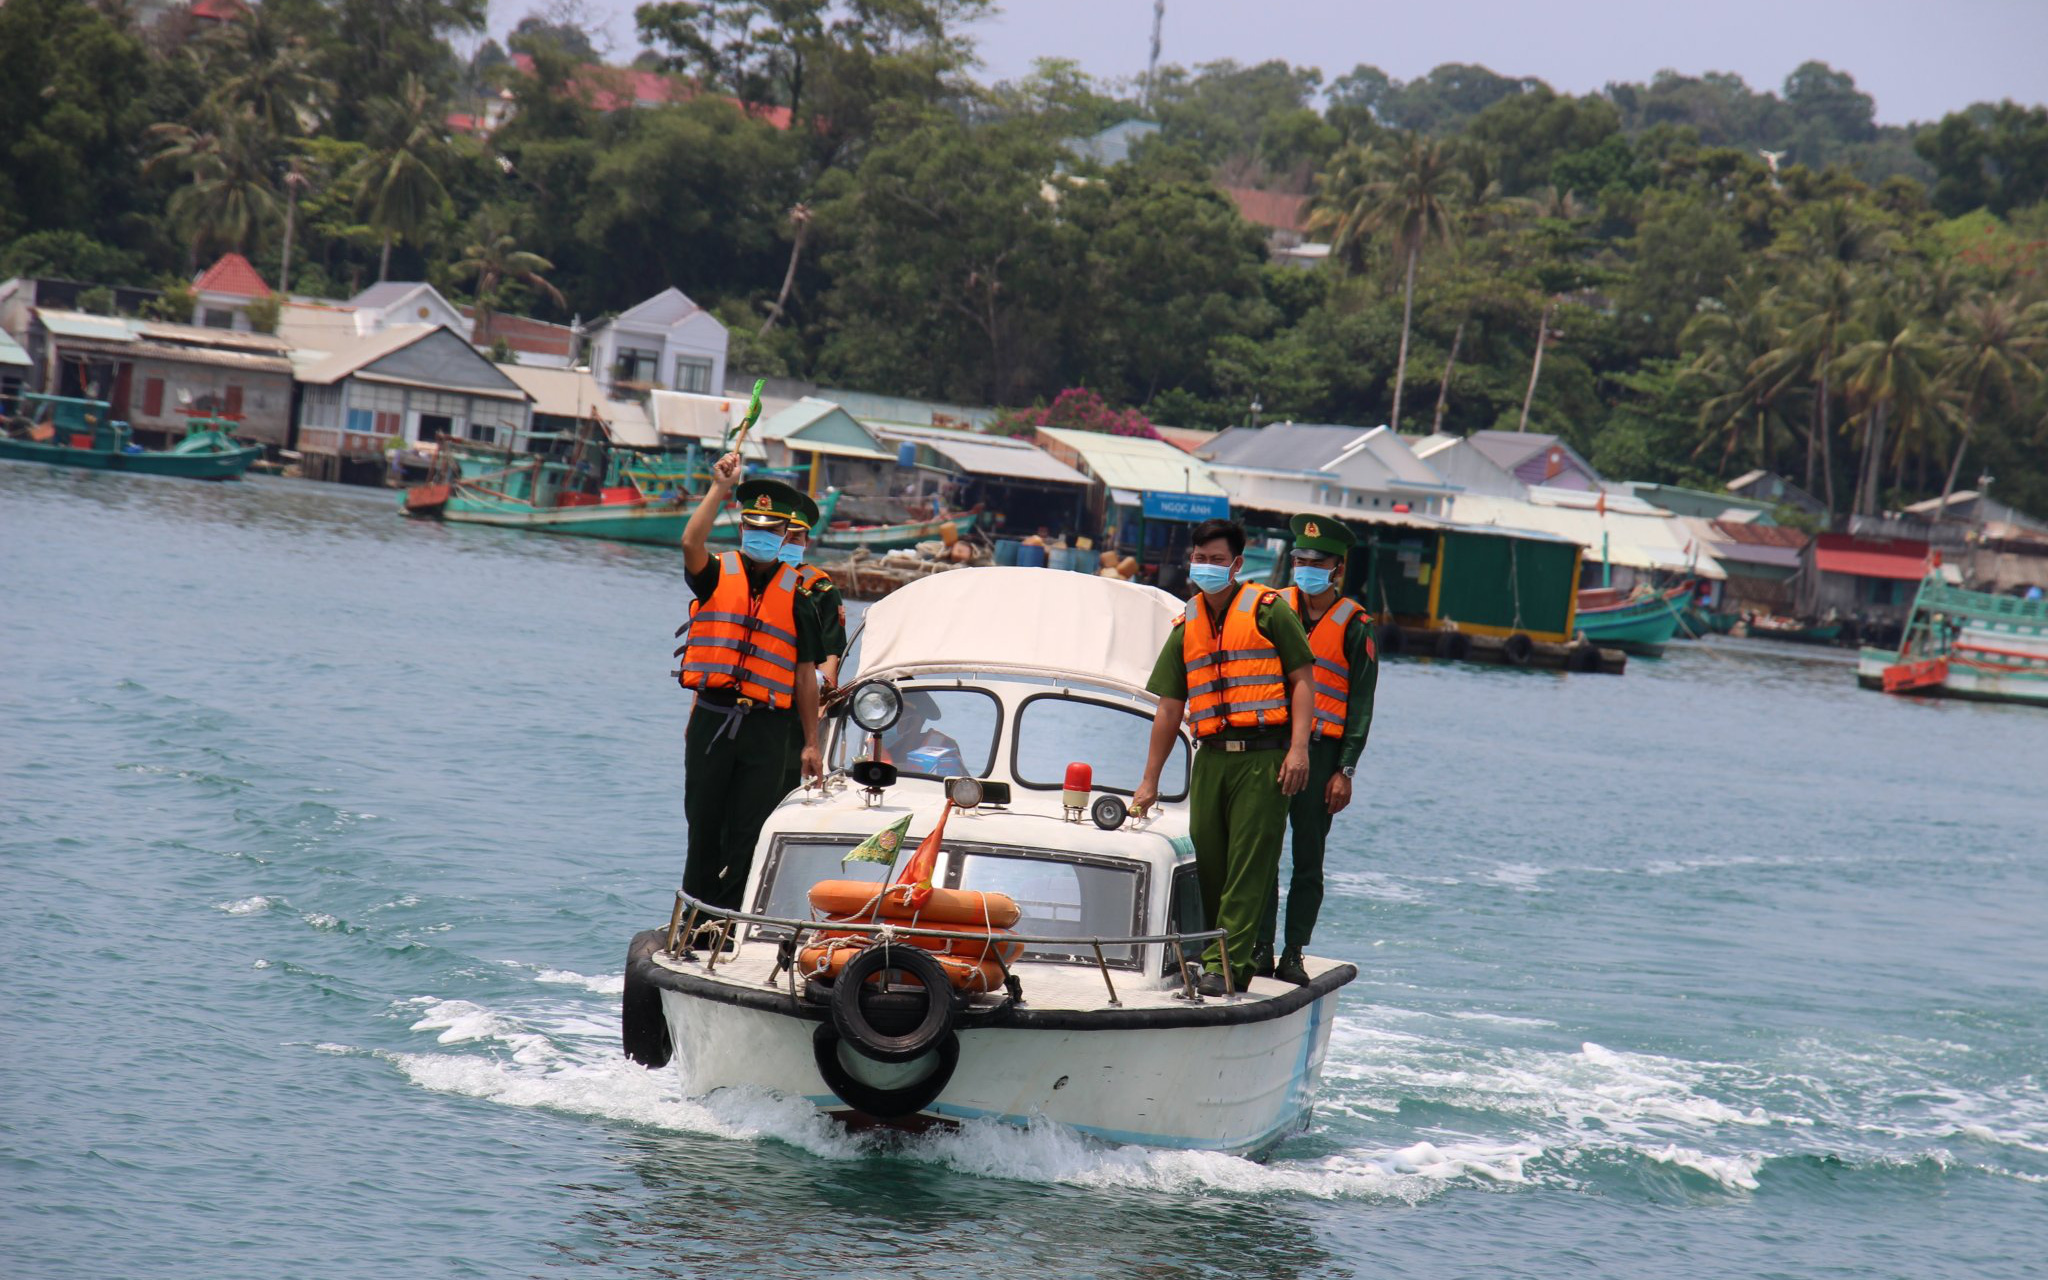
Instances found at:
x=684 y=923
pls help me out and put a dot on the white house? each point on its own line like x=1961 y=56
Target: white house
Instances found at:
x=667 y=343
x=408 y=302
x=1296 y=467
x=1462 y=463
x=222 y=294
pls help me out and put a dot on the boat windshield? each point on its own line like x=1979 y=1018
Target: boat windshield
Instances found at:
x=795 y=865
x=944 y=732
x=1058 y=729
x=1063 y=898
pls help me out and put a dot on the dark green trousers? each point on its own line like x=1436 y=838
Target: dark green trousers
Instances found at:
x=1237 y=819
x=1308 y=816
x=731 y=783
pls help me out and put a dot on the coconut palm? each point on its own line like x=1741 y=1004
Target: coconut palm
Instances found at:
x=228 y=199
x=1811 y=312
x=1994 y=346
x=1415 y=199
x=1341 y=211
x=1893 y=379
x=799 y=231
x=1731 y=341
x=494 y=259
x=268 y=70
x=399 y=183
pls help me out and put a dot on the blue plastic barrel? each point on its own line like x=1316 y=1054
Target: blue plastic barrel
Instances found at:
x=1006 y=550
x=1030 y=557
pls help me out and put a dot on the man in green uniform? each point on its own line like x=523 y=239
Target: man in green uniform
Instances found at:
x=1321 y=546
x=1243 y=774
x=736 y=750
x=817 y=592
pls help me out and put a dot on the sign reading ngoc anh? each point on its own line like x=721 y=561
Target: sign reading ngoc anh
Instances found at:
x=1160 y=504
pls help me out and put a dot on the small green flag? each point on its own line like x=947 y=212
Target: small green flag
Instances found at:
x=747 y=422
x=883 y=845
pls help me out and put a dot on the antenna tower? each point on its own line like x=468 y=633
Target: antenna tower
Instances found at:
x=1152 y=68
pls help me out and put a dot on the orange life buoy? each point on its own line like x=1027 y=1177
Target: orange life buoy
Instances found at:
x=825 y=960
x=987 y=944
x=943 y=907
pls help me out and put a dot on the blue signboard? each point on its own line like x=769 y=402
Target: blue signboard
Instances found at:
x=1187 y=507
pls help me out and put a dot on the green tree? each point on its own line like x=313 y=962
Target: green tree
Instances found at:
x=494 y=260
x=228 y=199
x=1994 y=348
x=399 y=182
x=1892 y=379
x=74 y=104
x=267 y=70
x=1415 y=203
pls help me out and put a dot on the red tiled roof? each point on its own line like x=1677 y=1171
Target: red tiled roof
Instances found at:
x=610 y=89
x=1897 y=558
x=220 y=10
x=522 y=333
x=231 y=275
x=1270 y=208
x=1759 y=535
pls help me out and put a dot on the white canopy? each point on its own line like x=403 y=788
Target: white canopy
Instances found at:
x=1021 y=622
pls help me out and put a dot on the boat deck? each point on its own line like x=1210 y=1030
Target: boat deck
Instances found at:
x=1047 y=986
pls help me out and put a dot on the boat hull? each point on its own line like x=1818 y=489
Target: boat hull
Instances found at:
x=660 y=526
x=187 y=466
x=889 y=536
x=1234 y=1087
x=1636 y=628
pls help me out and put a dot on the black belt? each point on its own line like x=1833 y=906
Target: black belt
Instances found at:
x=1267 y=742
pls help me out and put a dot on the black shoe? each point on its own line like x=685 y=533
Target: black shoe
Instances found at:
x=1210 y=984
x=1291 y=969
x=1262 y=962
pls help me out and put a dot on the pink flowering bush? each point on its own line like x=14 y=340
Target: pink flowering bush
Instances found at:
x=1078 y=409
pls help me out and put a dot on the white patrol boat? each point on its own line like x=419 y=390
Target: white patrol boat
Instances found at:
x=1043 y=977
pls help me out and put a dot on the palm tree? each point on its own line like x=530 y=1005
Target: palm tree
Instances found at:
x=400 y=187
x=1416 y=200
x=495 y=259
x=1342 y=208
x=229 y=199
x=269 y=71
x=800 y=229
x=1735 y=342
x=1993 y=346
x=1894 y=377
x=1812 y=312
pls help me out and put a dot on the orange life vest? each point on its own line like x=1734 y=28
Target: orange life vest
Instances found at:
x=1235 y=679
x=1332 y=669
x=742 y=642
x=810 y=575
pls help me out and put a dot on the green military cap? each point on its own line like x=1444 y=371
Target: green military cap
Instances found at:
x=776 y=500
x=1327 y=534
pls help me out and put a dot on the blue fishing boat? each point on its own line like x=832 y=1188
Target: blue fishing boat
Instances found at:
x=1642 y=621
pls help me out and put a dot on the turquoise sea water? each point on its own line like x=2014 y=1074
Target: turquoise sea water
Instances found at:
x=322 y=835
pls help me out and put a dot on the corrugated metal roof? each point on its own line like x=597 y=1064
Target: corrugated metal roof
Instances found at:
x=10 y=351
x=1635 y=541
x=685 y=415
x=1133 y=462
x=574 y=393
x=870 y=407
x=1894 y=558
x=349 y=355
x=980 y=455
x=83 y=324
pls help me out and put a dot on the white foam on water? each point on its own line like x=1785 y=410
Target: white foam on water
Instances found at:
x=1735 y=1172
x=321 y=920
x=1370 y=884
x=610 y=984
x=1518 y=875
x=245 y=906
x=461 y=1022
x=1502 y=1019
x=260 y=964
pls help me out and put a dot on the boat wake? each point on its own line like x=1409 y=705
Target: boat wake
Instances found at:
x=1404 y=1116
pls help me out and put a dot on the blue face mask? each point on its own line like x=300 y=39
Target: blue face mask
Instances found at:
x=791 y=554
x=760 y=545
x=1210 y=578
x=1312 y=580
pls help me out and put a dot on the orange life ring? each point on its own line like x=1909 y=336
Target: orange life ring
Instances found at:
x=988 y=944
x=827 y=958
x=943 y=907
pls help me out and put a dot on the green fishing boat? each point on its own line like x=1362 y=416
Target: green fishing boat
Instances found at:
x=886 y=537
x=66 y=431
x=1640 y=622
x=594 y=490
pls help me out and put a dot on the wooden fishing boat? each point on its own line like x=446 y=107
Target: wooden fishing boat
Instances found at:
x=65 y=431
x=1965 y=644
x=594 y=491
x=1769 y=627
x=1042 y=981
x=1642 y=621
x=846 y=536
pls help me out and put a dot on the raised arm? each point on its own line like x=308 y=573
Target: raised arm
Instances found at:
x=725 y=473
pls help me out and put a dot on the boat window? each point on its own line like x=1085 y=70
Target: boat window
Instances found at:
x=1065 y=899
x=1184 y=912
x=944 y=732
x=1056 y=729
x=795 y=865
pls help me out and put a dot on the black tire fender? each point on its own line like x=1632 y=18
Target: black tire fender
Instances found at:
x=882 y=1104
x=1585 y=657
x=643 y=1027
x=1391 y=641
x=852 y=1020
x=1453 y=644
x=1518 y=649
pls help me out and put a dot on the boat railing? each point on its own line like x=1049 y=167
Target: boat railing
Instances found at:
x=691 y=913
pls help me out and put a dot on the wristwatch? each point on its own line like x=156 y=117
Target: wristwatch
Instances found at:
x=1350 y=769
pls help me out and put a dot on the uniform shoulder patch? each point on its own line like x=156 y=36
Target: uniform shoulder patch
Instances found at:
x=1271 y=597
